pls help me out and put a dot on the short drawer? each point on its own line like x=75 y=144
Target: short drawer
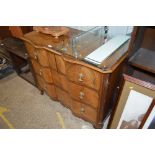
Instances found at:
x=40 y=55
x=42 y=71
x=83 y=94
x=84 y=111
x=83 y=75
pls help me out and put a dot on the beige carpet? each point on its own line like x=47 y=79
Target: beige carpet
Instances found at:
x=28 y=109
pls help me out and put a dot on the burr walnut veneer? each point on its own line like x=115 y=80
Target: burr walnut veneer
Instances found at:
x=87 y=90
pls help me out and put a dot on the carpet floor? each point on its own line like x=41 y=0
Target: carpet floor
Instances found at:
x=25 y=108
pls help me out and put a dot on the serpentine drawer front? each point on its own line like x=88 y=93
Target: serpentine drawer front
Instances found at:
x=83 y=88
x=42 y=71
x=83 y=94
x=84 y=111
x=83 y=75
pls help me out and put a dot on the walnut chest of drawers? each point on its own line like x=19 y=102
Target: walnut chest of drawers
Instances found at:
x=88 y=91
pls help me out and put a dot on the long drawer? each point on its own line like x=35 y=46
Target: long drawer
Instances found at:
x=83 y=75
x=84 y=111
x=83 y=94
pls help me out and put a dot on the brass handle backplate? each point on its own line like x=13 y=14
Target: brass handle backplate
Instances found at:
x=82 y=110
x=81 y=76
x=82 y=95
x=40 y=72
x=35 y=57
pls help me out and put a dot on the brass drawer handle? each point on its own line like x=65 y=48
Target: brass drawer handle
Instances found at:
x=82 y=110
x=81 y=76
x=35 y=56
x=82 y=95
x=40 y=72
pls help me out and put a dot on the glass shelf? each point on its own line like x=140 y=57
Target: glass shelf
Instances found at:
x=87 y=41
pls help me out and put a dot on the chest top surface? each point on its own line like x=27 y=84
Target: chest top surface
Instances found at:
x=64 y=46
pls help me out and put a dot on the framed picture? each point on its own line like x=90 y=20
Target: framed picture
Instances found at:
x=134 y=101
x=149 y=119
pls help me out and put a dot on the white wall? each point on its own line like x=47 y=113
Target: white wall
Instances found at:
x=136 y=105
x=113 y=30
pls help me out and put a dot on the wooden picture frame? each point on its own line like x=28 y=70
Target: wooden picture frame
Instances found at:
x=134 y=101
x=149 y=119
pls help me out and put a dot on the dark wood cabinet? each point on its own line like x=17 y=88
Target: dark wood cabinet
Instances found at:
x=142 y=57
x=20 y=59
x=14 y=31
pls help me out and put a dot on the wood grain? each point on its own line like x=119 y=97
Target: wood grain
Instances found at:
x=60 y=64
x=90 y=97
x=144 y=59
x=42 y=57
x=83 y=75
x=84 y=111
x=139 y=82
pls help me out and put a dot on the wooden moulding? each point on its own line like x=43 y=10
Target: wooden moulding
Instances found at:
x=147 y=114
x=139 y=82
x=130 y=83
